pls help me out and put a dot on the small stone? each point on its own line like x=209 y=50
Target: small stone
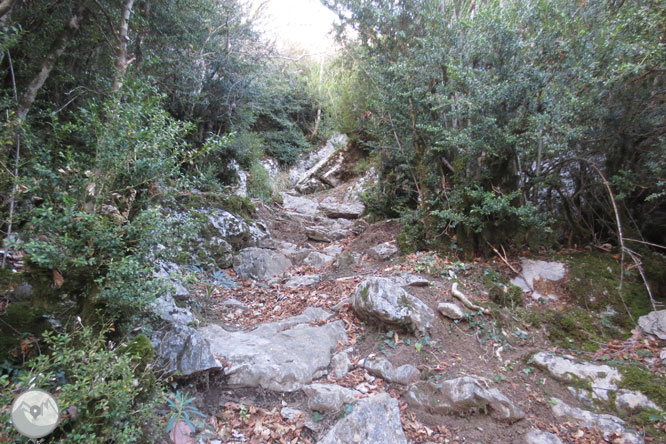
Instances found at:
x=541 y=437
x=406 y=374
x=317 y=260
x=340 y=365
x=328 y=397
x=378 y=367
x=451 y=311
x=290 y=413
x=303 y=281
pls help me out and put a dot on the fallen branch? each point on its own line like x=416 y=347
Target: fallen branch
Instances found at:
x=505 y=260
x=466 y=302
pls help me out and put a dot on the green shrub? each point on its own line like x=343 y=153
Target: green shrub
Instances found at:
x=107 y=393
x=259 y=183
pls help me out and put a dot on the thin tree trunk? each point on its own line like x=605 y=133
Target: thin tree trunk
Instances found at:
x=5 y=6
x=318 y=118
x=49 y=62
x=122 y=38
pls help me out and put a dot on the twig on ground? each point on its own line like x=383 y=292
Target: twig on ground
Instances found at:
x=466 y=302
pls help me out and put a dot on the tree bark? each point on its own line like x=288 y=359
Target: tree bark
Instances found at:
x=123 y=39
x=5 y=6
x=49 y=62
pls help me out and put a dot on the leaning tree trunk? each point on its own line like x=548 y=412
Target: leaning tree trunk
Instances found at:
x=5 y=6
x=49 y=62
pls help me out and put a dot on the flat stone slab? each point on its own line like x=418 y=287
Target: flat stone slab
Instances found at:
x=602 y=378
x=607 y=424
x=280 y=356
x=538 y=276
x=461 y=395
x=349 y=210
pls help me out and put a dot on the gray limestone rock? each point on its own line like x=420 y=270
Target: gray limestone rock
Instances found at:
x=602 y=378
x=384 y=251
x=536 y=271
x=317 y=260
x=654 y=323
x=607 y=424
x=540 y=437
x=281 y=356
x=303 y=281
x=373 y=420
x=300 y=204
x=260 y=263
x=406 y=374
x=460 y=395
x=329 y=397
x=340 y=364
x=450 y=310
x=345 y=210
x=382 y=299
x=628 y=402
x=182 y=348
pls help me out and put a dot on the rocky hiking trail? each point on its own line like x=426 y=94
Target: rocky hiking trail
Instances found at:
x=316 y=329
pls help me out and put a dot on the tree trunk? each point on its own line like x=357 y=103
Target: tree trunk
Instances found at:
x=57 y=49
x=122 y=38
x=5 y=6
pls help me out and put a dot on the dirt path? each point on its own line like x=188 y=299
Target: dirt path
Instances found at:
x=495 y=350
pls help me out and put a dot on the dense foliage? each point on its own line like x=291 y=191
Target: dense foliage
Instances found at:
x=498 y=121
x=109 y=108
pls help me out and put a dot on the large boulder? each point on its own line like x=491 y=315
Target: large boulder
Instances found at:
x=281 y=356
x=608 y=425
x=179 y=347
x=234 y=230
x=654 y=323
x=374 y=420
x=601 y=378
x=260 y=263
x=182 y=349
x=461 y=395
x=382 y=299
